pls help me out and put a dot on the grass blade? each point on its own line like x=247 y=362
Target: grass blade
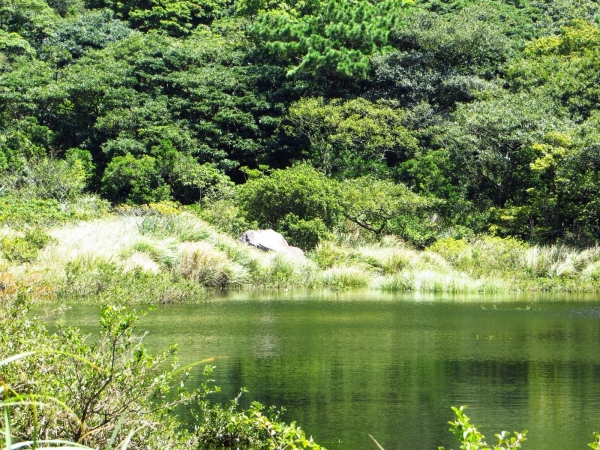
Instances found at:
x=7 y=433
x=114 y=433
x=14 y=358
x=376 y=443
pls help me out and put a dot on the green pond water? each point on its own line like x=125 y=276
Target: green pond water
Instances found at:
x=348 y=365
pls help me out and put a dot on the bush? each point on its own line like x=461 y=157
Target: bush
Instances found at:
x=305 y=234
x=252 y=428
x=47 y=178
x=90 y=391
x=384 y=207
x=110 y=392
x=299 y=190
x=24 y=249
x=134 y=181
x=225 y=216
x=16 y=210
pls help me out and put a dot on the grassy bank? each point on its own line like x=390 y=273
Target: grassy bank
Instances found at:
x=165 y=255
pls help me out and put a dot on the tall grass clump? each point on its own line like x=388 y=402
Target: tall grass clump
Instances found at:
x=92 y=279
x=205 y=265
x=162 y=252
x=554 y=267
x=184 y=227
x=340 y=278
x=275 y=270
x=435 y=282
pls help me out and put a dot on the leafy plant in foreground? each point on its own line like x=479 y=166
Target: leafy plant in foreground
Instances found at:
x=472 y=439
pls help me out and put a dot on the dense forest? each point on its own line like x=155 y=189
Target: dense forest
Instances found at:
x=423 y=119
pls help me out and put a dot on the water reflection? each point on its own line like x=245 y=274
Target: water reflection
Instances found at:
x=345 y=365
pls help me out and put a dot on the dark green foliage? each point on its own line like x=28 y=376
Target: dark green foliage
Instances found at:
x=134 y=181
x=32 y=19
x=305 y=234
x=460 y=101
x=176 y=17
x=332 y=38
x=443 y=59
x=89 y=30
x=298 y=200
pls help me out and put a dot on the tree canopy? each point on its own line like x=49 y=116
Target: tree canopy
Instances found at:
x=486 y=109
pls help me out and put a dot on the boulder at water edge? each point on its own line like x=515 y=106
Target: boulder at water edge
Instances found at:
x=271 y=241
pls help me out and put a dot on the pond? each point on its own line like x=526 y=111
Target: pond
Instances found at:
x=348 y=365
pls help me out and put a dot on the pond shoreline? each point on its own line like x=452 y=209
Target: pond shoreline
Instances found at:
x=178 y=258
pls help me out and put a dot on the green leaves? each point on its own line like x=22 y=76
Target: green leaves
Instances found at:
x=352 y=138
x=384 y=207
x=135 y=181
x=334 y=39
x=471 y=438
x=299 y=199
x=176 y=17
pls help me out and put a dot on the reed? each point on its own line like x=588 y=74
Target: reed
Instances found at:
x=346 y=278
x=204 y=264
x=436 y=282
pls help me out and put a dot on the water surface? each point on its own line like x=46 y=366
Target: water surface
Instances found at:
x=348 y=365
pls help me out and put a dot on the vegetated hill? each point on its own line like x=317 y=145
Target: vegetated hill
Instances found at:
x=472 y=117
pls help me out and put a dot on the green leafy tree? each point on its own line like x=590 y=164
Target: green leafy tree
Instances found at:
x=13 y=46
x=352 y=138
x=135 y=181
x=385 y=207
x=32 y=19
x=197 y=93
x=298 y=200
x=563 y=68
x=176 y=17
x=443 y=59
x=490 y=145
x=88 y=30
x=330 y=38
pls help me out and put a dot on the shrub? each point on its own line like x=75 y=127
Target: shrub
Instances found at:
x=299 y=190
x=134 y=181
x=202 y=263
x=385 y=207
x=252 y=428
x=225 y=216
x=17 y=211
x=471 y=438
x=49 y=178
x=88 y=391
x=24 y=249
x=305 y=234
x=110 y=392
